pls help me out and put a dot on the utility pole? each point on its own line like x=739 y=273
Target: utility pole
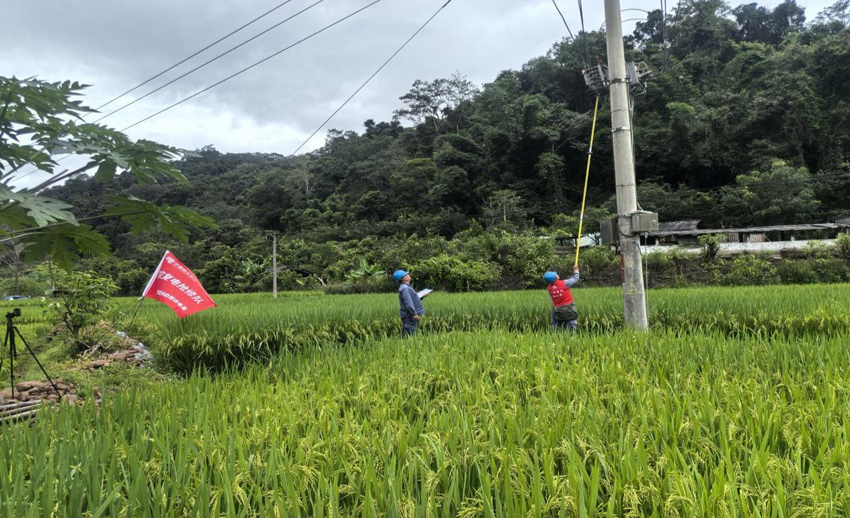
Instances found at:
x=634 y=297
x=274 y=264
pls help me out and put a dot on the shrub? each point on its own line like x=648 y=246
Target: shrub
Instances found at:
x=674 y=267
x=451 y=273
x=81 y=300
x=597 y=256
x=750 y=269
x=816 y=250
x=27 y=286
x=796 y=272
x=521 y=258
x=842 y=244
x=126 y=273
x=394 y=254
x=364 y=275
x=711 y=245
x=829 y=269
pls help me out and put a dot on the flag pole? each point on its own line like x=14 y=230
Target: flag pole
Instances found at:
x=135 y=311
x=147 y=287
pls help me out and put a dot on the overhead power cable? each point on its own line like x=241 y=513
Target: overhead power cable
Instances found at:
x=572 y=41
x=202 y=65
x=583 y=30
x=378 y=71
x=172 y=67
x=341 y=106
x=228 y=78
x=678 y=17
x=665 y=31
x=564 y=19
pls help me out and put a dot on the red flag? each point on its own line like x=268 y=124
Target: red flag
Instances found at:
x=176 y=286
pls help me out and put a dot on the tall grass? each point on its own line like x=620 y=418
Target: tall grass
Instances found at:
x=490 y=424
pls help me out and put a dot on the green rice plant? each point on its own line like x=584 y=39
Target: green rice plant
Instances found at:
x=255 y=327
x=489 y=423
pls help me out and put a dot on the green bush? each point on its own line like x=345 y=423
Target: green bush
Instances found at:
x=674 y=258
x=521 y=257
x=27 y=286
x=597 y=256
x=80 y=301
x=711 y=245
x=816 y=250
x=393 y=254
x=842 y=244
x=796 y=272
x=829 y=269
x=287 y=280
x=453 y=274
x=750 y=270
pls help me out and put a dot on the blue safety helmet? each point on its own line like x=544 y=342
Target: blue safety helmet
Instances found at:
x=550 y=277
x=398 y=275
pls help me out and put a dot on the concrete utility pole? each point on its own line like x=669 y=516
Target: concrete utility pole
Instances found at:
x=624 y=169
x=274 y=265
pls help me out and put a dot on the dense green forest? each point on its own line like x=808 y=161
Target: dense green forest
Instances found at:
x=745 y=121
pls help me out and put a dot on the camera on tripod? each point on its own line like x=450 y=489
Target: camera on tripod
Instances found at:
x=12 y=332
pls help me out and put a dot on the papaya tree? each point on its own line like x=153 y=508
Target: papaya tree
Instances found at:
x=39 y=121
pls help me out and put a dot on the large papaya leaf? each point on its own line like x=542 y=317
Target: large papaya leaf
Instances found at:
x=42 y=209
x=66 y=244
x=14 y=218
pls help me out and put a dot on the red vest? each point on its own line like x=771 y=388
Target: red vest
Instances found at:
x=561 y=295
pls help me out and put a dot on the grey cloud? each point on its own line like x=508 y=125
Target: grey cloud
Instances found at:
x=118 y=43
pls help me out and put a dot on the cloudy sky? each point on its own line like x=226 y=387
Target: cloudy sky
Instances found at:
x=114 y=45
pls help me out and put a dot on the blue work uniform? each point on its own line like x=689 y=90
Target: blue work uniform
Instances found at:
x=410 y=304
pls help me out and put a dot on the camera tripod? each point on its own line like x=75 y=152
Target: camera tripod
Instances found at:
x=11 y=331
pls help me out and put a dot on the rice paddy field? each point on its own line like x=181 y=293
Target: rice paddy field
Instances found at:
x=736 y=403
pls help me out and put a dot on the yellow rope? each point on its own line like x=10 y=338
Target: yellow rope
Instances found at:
x=586 y=178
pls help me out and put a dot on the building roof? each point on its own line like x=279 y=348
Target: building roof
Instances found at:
x=746 y=230
x=672 y=226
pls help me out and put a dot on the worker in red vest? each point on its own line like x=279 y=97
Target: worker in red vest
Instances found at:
x=564 y=313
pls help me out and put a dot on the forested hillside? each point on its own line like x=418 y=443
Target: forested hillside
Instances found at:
x=746 y=122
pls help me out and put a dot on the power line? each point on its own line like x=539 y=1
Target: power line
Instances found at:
x=576 y=120
x=302 y=40
x=202 y=65
x=172 y=67
x=583 y=30
x=341 y=106
x=387 y=62
x=216 y=42
x=581 y=15
x=664 y=33
x=678 y=15
x=565 y=20
x=572 y=41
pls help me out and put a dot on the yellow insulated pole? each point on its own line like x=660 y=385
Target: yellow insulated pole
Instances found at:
x=586 y=178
